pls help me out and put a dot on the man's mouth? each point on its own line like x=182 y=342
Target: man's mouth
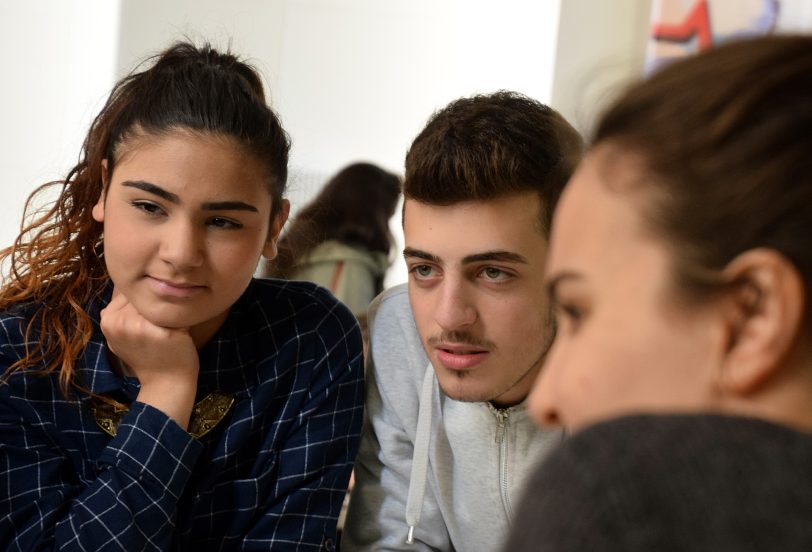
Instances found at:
x=460 y=356
x=462 y=351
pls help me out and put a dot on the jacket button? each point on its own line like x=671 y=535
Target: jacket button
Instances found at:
x=328 y=544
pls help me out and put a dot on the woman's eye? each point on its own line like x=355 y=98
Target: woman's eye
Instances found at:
x=570 y=315
x=227 y=224
x=147 y=207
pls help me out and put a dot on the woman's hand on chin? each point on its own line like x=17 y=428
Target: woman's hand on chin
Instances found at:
x=164 y=360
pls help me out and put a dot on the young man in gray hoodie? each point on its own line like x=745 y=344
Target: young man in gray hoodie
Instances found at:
x=447 y=441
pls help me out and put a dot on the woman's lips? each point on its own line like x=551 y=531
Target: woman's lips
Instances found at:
x=174 y=289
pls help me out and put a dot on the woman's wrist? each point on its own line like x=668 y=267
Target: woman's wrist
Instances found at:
x=172 y=396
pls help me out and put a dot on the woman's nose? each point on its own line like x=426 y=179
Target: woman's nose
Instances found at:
x=182 y=245
x=542 y=402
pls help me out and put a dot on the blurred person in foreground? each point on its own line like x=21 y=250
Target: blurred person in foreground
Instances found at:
x=680 y=268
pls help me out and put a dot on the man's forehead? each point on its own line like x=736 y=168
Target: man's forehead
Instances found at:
x=504 y=230
x=527 y=203
x=509 y=213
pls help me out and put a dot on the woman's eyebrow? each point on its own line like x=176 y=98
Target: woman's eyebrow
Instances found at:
x=173 y=198
x=152 y=189
x=229 y=206
x=557 y=279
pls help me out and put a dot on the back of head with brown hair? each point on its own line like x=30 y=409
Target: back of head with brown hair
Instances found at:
x=353 y=207
x=725 y=140
x=489 y=146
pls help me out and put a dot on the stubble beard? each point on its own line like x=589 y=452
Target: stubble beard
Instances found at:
x=491 y=396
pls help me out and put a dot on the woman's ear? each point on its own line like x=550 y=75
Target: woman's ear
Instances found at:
x=98 y=209
x=270 y=250
x=764 y=313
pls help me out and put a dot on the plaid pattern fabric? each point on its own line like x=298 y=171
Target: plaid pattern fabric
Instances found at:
x=271 y=476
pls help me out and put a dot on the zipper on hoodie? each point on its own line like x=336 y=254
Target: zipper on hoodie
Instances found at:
x=502 y=424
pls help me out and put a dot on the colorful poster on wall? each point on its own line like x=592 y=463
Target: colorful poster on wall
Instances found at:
x=684 y=27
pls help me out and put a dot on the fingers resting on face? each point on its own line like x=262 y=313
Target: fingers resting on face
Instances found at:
x=145 y=349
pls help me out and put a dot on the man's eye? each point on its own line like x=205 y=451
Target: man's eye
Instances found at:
x=493 y=274
x=422 y=271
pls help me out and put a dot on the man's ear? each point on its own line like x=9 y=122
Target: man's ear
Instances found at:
x=764 y=314
x=270 y=250
x=98 y=208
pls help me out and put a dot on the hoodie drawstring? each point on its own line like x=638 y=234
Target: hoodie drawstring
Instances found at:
x=420 y=458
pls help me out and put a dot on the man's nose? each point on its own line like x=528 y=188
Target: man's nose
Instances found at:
x=455 y=306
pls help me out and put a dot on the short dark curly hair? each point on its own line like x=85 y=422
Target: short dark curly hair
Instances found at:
x=492 y=145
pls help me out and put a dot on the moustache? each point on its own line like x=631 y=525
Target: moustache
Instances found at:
x=458 y=337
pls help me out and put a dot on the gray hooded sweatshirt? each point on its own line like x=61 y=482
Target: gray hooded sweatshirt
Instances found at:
x=445 y=472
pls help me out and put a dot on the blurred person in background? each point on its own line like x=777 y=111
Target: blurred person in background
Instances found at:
x=341 y=239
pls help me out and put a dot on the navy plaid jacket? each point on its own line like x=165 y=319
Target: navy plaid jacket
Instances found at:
x=271 y=476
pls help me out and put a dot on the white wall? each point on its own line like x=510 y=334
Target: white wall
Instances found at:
x=58 y=63
x=601 y=47
x=359 y=79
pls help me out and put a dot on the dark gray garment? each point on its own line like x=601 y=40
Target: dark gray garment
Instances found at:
x=645 y=483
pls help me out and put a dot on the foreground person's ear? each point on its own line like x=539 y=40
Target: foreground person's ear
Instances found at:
x=764 y=315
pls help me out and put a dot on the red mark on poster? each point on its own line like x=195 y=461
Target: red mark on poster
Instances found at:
x=696 y=23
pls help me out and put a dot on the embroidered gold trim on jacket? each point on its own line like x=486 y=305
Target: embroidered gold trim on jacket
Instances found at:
x=206 y=414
